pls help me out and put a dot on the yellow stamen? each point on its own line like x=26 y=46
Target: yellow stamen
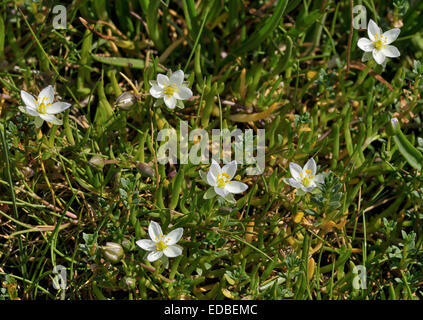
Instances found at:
x=161 y=245
x=223 y=179
x=170 y=90
x=305 y=181
x=379 y=44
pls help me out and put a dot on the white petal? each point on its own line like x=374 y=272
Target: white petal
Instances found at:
x=47 y=94
x=162 y=80
x=146 y=244
x=373 y=30
x=211 y=179
x=156 y=91
x=28 y=99
x=177 y=77
x=295 y=170
x=174 y=236
x=216 y=167
x=31 y=111
x=391 y=35
x=52 y=119
x=173 y=251
x=213 y=173
x=170 y=101
x=236 y=187
x=230 y=169
x=57 y=107
x=221 y=192
x=378 y=56
x=294 y=183
x=183 y=93
x=391 y=51
x=365 y=44
x=154 y=255
x=155 y=231
x=310 y=165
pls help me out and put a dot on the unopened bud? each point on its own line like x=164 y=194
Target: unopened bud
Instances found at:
x=125 y=101
x=128 y=282
x=97 y=162
x=145 y=169
x=126 y=244
x=112 y=251
x=225 y=210
x=393 y=127
x=395 y=123
x=115 y=182
x=27 y=172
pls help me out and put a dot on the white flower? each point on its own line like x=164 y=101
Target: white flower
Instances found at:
x=160 y=243
x=43 y=108
x=220 y=179
x=170 y=88
x=379 y=43
x=304 y=178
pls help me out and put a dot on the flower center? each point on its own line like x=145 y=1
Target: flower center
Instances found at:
x=170 y=89
x=160 y=246
x=307 y=178
x=379 y=43
x=305 y=181
x=223 y=179
x=41 y=108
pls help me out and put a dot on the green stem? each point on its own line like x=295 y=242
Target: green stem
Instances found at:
x=22 y=252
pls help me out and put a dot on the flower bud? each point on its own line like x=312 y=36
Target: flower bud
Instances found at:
x=393 y=127
x=97 y=162
x=225 y=210
x=27 y=172
x=115 y=182
x=128 y=283
x=125 y=101
x=126 y=244
x=112 y=251
x=145 y=169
